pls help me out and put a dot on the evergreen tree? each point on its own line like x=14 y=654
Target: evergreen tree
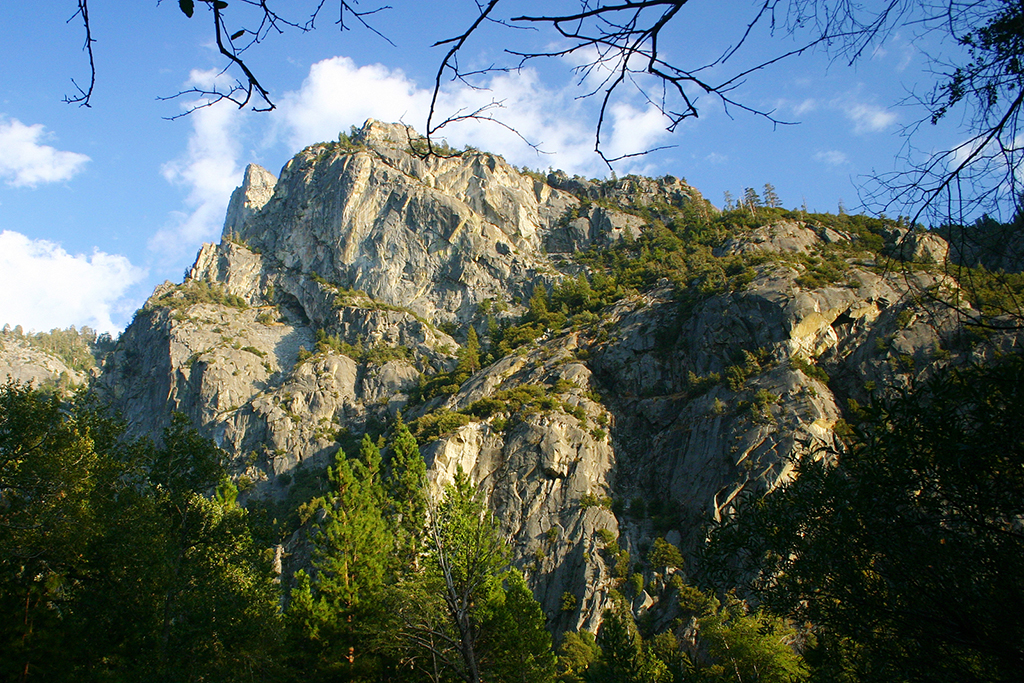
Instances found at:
x=771 y=199
x=537 y=311
x=469 y=355
x=465 y=561
x=751 y=200
x=406 y=489
x=925 y=504
x=728 y=200
x=740 y=644
x=47 y=522
x=370 y=462
x=577 y=652
x=216 y=604
x=453 y=618
x=115 y=560
x=516 y=644
x=352 y=547
x=624 y=659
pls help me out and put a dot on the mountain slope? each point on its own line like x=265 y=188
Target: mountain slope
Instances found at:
x=646 y=359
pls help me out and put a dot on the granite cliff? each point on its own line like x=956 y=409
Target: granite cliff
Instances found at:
x=344 y=290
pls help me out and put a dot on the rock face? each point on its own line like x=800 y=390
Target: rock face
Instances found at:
x=21 y=362
x=436 y=236
x=58 y=360
x=660 y=415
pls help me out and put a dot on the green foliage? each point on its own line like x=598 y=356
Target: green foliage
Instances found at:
x=576 y=653
x=458 y=612
x=624 y=659
x=77 y=349
x=760 y=406
x=348 y=142
x=193 y=292
x=469 y=355
x=994 y=293
x=619 y=557
x=346 y=297
x=525 y=396
x=465 y=561
x=754 y=363
x=116 y=563
x=351 y=553
x=588 y=500
x=741 y=645
x=433 y=426
x=305 y=488
x=636 y=584
x=515 y=642
x=353 y=541
x=517 y=403
x=441 y=384
x=664 y=555
x=405 y=483
x=372 y=355
x=825 y=268
x=921 y=503
x=422 y=147
x=811 y=370
x=698 y=385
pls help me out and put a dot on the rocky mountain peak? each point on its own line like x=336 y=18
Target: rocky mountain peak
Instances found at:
x=255 y=191
x=690 y=358
x=378 y=134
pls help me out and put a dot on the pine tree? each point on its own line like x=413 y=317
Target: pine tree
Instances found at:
x=515 y=642
x=352 y=548
x=751 y=200
x=538 y=307
x=353 y=541
x=406 y=488
x=469 y=355
x=771 y=199
x=624 y=659
x=577 y=652
x=465 y=560
x=370 y=461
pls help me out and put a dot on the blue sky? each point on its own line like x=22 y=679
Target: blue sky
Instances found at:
x=100 y=204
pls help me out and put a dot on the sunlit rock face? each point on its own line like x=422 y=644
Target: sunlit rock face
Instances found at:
x=351 y=279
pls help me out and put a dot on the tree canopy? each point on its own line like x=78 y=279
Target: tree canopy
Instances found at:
x=117 y=558
x=905 y=553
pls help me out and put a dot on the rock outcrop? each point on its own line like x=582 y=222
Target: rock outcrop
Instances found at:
x=22 y=362
x=342 y=285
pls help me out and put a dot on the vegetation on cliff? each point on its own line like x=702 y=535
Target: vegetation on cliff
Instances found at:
x=388 y=581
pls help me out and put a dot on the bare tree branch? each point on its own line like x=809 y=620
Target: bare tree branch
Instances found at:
x=625 y=39
x=232 y=44
x=84 y=97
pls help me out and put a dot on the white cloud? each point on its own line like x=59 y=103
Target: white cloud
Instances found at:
x=866 y=117
x=209 y=169
x=808 y=105
x=339 y=94
x=832 y=157
x=870 y=118
x=24 y=162
x=45 y=287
